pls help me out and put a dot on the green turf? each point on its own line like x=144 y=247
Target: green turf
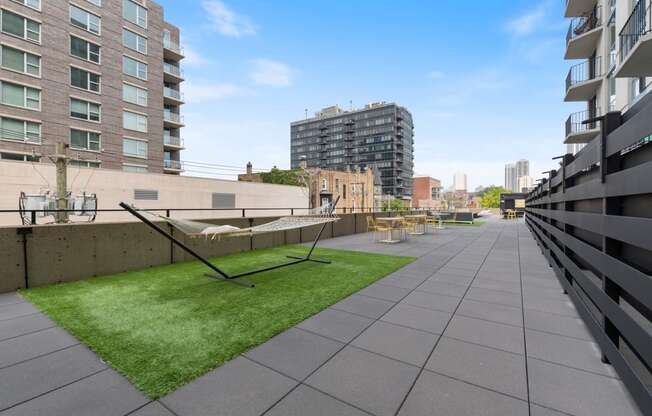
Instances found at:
x=164 y=326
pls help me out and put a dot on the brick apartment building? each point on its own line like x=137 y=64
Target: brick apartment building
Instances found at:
x=102 y=76
x=426 y=192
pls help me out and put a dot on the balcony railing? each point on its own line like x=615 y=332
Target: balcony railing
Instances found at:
x=638 y=25
x=172 y=164
x=172 y=46
x=173 y=70
x=585 y=71
x=172 y=93
x=576 y=122
x=584 y=24
x=172 y=117
x=172 y=140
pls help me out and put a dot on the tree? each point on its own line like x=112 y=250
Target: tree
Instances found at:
x=393 y=205
x=283 y=177
x=491 y=196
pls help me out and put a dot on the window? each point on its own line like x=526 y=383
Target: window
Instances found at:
x=20 y=130
x=84 y=49
x=20 y=96
x=98 y=3
x=134 y=41
x=17 y=25
x=134 y=13
x=84 y=79
x=85 y=20
x=134 y=169
x=134 y=148
x=134 y=95
x=21 y=157
x=34 y=4
x=84 y=110
x=134 y=68
x=20 y=61
x=84 y=140
x=84 y=164
x=343 y=191
x=134 y=121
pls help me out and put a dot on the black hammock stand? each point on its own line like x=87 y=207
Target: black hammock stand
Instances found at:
x=222 y=275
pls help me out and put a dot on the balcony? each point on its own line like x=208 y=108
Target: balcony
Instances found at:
x=583 y=34
x=636 y=43
x=172 y=73
x=172 y=119
x=172 y=50
x=173 y=142
x=583 y=80
x=172 y=165
x=575 y=8
x=172 y=96
x=578 y=131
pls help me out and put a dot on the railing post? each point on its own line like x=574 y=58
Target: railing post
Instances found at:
x=33 y=217
x=244 y=215
x=610 y=206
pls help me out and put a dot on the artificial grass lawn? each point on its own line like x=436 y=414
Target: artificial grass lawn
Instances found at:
x=164 y=326
x=476 y=223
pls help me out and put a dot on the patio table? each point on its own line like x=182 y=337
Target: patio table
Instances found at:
x=391 y=221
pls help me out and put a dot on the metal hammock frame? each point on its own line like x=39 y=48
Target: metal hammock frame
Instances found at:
x=222 y=275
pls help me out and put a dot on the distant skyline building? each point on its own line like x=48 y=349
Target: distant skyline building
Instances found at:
x=510 y=176
x=427 y=192
x=378 y=136
x=460 y=182
x=517 y=176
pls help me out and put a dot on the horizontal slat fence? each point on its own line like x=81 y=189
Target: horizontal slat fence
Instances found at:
x=593 y=221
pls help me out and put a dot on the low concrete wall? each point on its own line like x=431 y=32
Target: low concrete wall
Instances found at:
x=62 y=253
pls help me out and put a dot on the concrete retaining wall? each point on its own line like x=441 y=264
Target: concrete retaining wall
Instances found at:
x=64 y=253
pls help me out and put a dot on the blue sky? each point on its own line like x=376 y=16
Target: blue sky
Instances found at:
x=484 y=80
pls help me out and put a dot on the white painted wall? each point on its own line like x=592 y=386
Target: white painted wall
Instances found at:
x=112 y=187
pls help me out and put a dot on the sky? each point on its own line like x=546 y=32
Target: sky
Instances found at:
x=484 y=81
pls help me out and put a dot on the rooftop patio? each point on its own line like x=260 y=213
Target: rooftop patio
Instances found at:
x=478 y=324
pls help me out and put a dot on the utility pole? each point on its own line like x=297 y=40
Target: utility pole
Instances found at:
x=61 y=161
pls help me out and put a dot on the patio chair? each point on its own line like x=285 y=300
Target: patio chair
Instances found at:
x=376 y=228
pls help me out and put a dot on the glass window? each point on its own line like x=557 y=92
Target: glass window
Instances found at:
x=84 y=110
x=134 y=13
x=84 y=79
x=134 y=68
x=84 y=140
x=84 y=49
x=85 y=20
x=137 y=148
x=134 y=121
x=20 y=130
x=20 y=26
x=134 y=41
x=84 y=164
x=20 y=61
x=134 y=169
x=134 y=95
x=34 y=4
x=95 y=2
x=20 y=96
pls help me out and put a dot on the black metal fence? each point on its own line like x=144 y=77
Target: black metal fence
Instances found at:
x=593 y=220
x=638 y=24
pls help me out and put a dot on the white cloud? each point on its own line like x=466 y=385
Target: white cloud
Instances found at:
x=271 y=73
x=200 y=92
x=435 y=74
x=194 y=58
x=528 y=22
x=226 y=21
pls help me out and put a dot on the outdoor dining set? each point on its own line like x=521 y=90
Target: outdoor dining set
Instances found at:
x=390 y=230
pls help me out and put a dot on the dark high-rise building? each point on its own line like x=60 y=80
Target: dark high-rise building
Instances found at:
x=379 y=136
